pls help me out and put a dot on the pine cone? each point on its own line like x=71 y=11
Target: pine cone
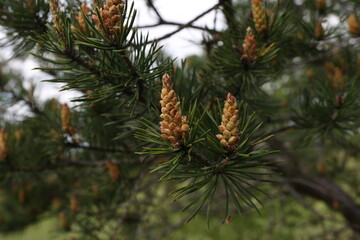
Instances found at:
x=113 y=170
x=22 y=195
x=321 y=5
x=174 y=127
x=249 y=46
x=18 y=134
x=4 y=150
x=64 y=221
x=335 y=77
x=80 y=19
x=354 y=25
x=55 y=11
x=56 y=203
x=337 y=81
x=309 y=73
x=74 y=203
x=259 y=15
x=319 y=31
x=111 y=16
x=229 y=127
x=65 y=118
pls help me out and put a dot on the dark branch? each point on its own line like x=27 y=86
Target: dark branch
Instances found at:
x=185 y=25
x=95 y=148
x=152 y=6
x=173 y=24
x=317 y=187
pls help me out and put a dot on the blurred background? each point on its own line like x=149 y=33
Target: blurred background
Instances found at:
x=285 y=214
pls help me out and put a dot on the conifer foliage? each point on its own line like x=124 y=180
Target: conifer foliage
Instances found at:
x=266 y=112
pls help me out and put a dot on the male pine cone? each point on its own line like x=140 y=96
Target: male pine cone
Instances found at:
x=56 y=13
x=174 y=127
x=230 y=122
x=249 y=47
x=111 y=16
x=335 y=77
x=259 y=15
x=319 y=31
x=80 y=18
x=65 y=118
x=114 y=171
x=354 y=25
x=321 y=5
x=3 y=144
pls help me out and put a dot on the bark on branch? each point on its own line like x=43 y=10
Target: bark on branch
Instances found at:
x=317 y=187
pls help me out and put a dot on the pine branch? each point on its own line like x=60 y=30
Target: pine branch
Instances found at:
x=152 y=6
x=200 y=159
x=66 y=164
x=135 y=190
x=284 y=129
x=30 y=104
x=319 y=188
x=185 y=25
x=228 y=12
x=180 y=25
x=95 y=148
x=77 y=58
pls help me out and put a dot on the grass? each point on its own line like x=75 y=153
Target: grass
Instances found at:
x=44 y=230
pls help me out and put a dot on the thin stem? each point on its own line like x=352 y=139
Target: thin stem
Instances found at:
x=95 y=148
x=185 y=25
x=200 y=159
x=283 y=129
x=173 y=24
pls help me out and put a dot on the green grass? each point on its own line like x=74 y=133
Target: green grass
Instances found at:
x=280 y=220
x=44 y=230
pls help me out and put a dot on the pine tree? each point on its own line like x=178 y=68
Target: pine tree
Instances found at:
x=270 y=111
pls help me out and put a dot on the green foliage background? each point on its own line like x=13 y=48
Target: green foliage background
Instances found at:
x=303 y=182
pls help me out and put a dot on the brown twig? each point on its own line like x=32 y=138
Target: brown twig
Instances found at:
x=316 y=187
x=164 y=22
x=185 y=25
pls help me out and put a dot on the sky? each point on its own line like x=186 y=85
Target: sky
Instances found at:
x=185 y=42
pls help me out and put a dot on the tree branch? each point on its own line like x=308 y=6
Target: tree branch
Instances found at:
x=317 y=187
x=173 y=24
x=152 y=6
x=188 y=24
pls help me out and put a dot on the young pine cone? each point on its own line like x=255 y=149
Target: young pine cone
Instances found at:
x=64 y=221
x=80 y=19
x=113 y=169
x=229 y=127
x=335 y=77
x=22 y=195
x=174 y=127
x=4 y=150
x=321 y=5
x=354 y=25
x=319 y=31
x=337 y=80
x=56 y=13
x=111 y=16
x=259 y=15
x=249 y=47
x=65 y=118
x=74 y=203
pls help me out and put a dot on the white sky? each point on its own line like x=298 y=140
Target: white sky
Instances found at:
x=180 y=45
x=183 y=43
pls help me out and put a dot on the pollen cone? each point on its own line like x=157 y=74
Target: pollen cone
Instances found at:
x=174 y=127
x=229 y=127
x=259 y=15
